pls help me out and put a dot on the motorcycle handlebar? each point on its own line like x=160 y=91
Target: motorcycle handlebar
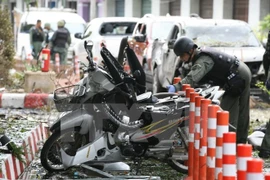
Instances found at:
x=88 y=45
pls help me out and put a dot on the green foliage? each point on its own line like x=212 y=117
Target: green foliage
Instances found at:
x=265 y=23
x=7 y=51
x=32 y=67
x=262 y=87
x=16 y=151
x=264 y=27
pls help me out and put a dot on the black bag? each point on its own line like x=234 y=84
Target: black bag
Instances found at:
x=235 y=86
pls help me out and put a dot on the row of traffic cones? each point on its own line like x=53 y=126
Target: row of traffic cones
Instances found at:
x=212 y=150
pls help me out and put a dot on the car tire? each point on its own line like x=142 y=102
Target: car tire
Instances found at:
x=156 y=84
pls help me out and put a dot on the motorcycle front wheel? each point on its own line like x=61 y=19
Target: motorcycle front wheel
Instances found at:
x=179 y=158
x=69 y=140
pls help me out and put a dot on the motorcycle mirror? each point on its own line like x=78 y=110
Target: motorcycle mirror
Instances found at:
x=171 y=43
x=88 y=45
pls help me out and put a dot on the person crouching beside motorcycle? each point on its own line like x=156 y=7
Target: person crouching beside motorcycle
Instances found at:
x=218 y=69
x=265 y=147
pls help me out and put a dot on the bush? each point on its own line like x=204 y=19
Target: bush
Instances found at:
x=265 y=23
x=7 y=51
x=264 y=27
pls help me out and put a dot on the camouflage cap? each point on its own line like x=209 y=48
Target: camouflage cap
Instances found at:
x=47 y=25
x=61 y=23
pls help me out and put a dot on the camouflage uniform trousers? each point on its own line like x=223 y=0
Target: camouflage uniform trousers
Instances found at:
x=239 y=106
x=266 y=139
x=37 y=46
x=62 y=54
x=266 y=64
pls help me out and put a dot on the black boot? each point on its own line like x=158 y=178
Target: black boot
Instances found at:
x=265 y=148
x=265 y=154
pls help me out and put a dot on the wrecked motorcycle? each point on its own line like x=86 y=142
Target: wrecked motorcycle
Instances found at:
x=106 y=121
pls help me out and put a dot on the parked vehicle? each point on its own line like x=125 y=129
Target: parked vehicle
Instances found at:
x=152 y=27
x=234 y=37
x=105 y=121
x=107 y=30
x=74 y=23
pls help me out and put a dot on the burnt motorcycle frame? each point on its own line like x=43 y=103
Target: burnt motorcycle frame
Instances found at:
x=149 y=132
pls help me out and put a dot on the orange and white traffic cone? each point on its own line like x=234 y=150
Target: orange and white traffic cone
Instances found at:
x=203 y=138
x=191 y=133
x=176 y=80
x=57 y=63
x=196 y=150
x=77 y=68
x=29 y=58
x=222 y=127
x=211 y=141
x=229 y=156
x=255 y=169
x=244 y=153
x=267 y=176
x=187 y=93
x=185 y=86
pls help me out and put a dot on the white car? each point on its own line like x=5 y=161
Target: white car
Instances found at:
x=74 y=23
x=234 y=37
x=107 y=30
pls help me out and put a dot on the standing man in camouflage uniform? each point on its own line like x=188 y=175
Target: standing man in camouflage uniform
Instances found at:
x=36 y=39
x=60 y=42
x=47 y=31
x=218 y=69
x=265 y=148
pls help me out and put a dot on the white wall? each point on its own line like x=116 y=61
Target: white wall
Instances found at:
x=164 y=7
x=155 y=7
x=93 y=9
x=265 y=8
x=132 y=8
x=109 y=8
x=222 y=9
x=254 y=13
x=189 y=6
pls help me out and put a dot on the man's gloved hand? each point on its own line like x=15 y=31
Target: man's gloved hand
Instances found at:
x=171 y=88
x=267 y=85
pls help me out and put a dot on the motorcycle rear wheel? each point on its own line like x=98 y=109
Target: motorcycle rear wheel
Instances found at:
x=50 y=154
x=180 y=165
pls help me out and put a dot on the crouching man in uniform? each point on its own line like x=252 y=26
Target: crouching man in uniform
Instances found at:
x=218 y=69
x=265 y=148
